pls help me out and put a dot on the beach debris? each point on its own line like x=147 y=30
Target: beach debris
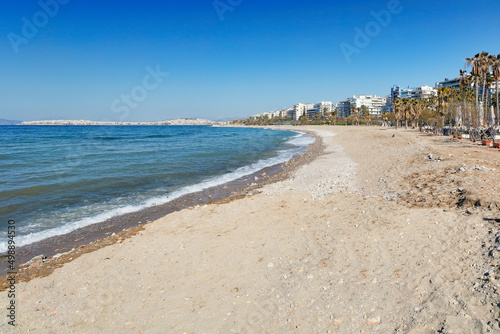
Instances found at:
x=431 y=157
x=57 y=256
x=391 y=197
x=310 y=276
x=270 y=265
x=474 y=168
x=374 y=321
x=34 y=262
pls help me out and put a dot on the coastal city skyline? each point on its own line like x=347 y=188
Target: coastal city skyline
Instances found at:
x=236 y=166
x=220 y=59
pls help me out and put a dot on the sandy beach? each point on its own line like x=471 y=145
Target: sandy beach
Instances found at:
x=385 y=231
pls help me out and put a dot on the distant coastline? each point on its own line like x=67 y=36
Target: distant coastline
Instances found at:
x=179 y=121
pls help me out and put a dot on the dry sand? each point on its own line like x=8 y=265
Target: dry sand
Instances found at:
x=387 y=231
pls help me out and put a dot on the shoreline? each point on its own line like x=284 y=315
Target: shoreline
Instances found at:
x=61 y=249
x=372 y=235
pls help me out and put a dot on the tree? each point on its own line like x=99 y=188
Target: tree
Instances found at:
x=406 y=110
x=488 y=83
x=355 y=113
x=325 y=111
x=385 y=117
x=496 y=75
x=303 y=120
x=365 y=114
x=443 y=102
x=397 y=110
x=417 y=106
x=333 y=118
x=464 y=84
x=485 y=69
x=474 y=63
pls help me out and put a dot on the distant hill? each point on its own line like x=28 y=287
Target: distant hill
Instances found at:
x=8 y=122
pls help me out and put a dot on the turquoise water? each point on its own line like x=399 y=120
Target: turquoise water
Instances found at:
x=55 y=179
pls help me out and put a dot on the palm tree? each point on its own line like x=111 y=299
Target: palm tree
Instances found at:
x=334 y=115
x=406 y=109
x=355 y=113
x=489 y=82
x=385 y=117
x=485 y=69
x=474 y=63
x=496 y=75
x=353 y=108
x=443 y=101
x=396 y=105
x=418 y=107
x=464 y=83
x=365 y=113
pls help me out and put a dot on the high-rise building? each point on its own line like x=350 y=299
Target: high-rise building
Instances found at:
x=344 y=108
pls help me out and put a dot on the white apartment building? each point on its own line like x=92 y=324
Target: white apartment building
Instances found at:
x=375 y=104
x=412 y=93
x=324 y=107
x=276 y=114
x=302 y=109
x=309 y=109
x=288 y=112
x=425 y=92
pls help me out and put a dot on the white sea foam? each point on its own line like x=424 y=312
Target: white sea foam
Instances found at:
x=300 y=141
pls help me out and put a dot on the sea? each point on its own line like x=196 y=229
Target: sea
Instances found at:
x=57 y=179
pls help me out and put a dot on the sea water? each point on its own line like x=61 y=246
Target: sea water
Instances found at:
x=56 y=179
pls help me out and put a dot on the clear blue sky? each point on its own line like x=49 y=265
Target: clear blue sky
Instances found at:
x=263 y=55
